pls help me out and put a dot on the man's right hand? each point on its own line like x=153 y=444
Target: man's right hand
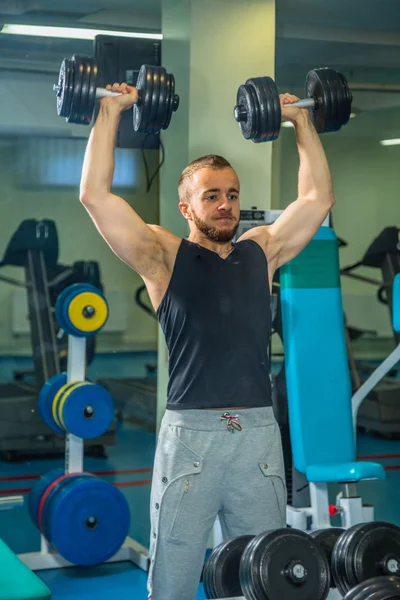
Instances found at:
x=128 y=97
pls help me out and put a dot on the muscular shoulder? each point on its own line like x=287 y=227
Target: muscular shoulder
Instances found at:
x=163 y=235
x=168 y=242
x=262 y=235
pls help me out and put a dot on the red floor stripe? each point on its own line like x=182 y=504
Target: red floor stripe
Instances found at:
x=137 y=483
x=119 y=484
x=122 y=484
x=123 y=472
x=104 y=473
x=15 y=492
x=379 y=457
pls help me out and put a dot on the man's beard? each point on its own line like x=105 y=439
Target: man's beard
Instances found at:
x=213 y=233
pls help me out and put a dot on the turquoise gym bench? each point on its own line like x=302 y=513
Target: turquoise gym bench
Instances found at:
x=17 y=582
x=319 y=387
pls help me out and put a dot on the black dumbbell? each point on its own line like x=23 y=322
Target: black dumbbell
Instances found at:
x=77 y=92
x=258 y=109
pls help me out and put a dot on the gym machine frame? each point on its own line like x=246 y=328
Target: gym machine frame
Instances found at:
x=387 y=365
x=131 y=550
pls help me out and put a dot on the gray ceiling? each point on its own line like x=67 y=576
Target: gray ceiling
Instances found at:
x=361 y=38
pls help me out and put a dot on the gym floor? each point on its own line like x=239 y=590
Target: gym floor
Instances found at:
x=129 y=466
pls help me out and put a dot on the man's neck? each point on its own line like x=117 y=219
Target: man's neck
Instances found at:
x=218 y=247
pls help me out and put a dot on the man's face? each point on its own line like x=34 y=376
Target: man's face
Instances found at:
x=214 y=207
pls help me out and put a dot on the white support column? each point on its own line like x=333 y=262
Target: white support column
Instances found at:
x=76 y=372
x=320 y=506
x=352 y=511
x=11 y=502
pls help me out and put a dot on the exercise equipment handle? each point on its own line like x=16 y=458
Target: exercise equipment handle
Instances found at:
x=306 y=103
x=100 y=92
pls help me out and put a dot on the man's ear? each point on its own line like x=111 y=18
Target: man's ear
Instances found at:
x=184 y=207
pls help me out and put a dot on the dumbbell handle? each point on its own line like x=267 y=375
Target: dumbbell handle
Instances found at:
x=100 y=92
x=240 y=111
x=306 y=103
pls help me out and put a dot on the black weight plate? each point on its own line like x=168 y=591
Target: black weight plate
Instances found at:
x=346 y=99
x=376 y=588
x=336 y=89
x=176 y=101
x=266 y=107
x=64 y=93
x=137 y=108
x=141 y=109
x=327 y=540
x=83 y=116
x=245 y=571
x=275 y=116
x=162 y=101
x=165 y=112
x=246 y=102
x=77 y=69
x=207 y=575
x=284 y=564
x=255 y=116
x=315 y=88
x=340 y=559
x=70 y=90
x=226 y=581
x=147 y=92
x=350 y=552
x=336 y=123
x=206 y=581
x=343 y=108
x=266 y=110
x=91 y=100
x=377 y=552
x=153 y=108
x=171 y=104
x=209 y=572
x=328 y=93
x=332 y=90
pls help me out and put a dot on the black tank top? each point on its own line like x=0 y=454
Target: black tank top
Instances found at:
x=216 y=318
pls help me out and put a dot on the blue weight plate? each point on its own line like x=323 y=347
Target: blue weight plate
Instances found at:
x=88 y=411
x=63 y=302
x=54 y=494
x=38 y=490
x=88 y=521
x=46 y=397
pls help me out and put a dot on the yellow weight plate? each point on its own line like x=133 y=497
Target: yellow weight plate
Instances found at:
x=77 y=306
x=56 y=399
x=65 y=396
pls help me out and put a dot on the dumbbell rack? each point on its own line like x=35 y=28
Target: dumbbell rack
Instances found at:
x=131 y=551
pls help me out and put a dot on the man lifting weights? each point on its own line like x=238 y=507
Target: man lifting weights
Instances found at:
x=219 y=448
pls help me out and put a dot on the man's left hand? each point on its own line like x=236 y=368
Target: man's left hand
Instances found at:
x=291 y=114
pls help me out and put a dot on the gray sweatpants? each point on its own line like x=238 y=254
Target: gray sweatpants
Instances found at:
x=202 y=470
